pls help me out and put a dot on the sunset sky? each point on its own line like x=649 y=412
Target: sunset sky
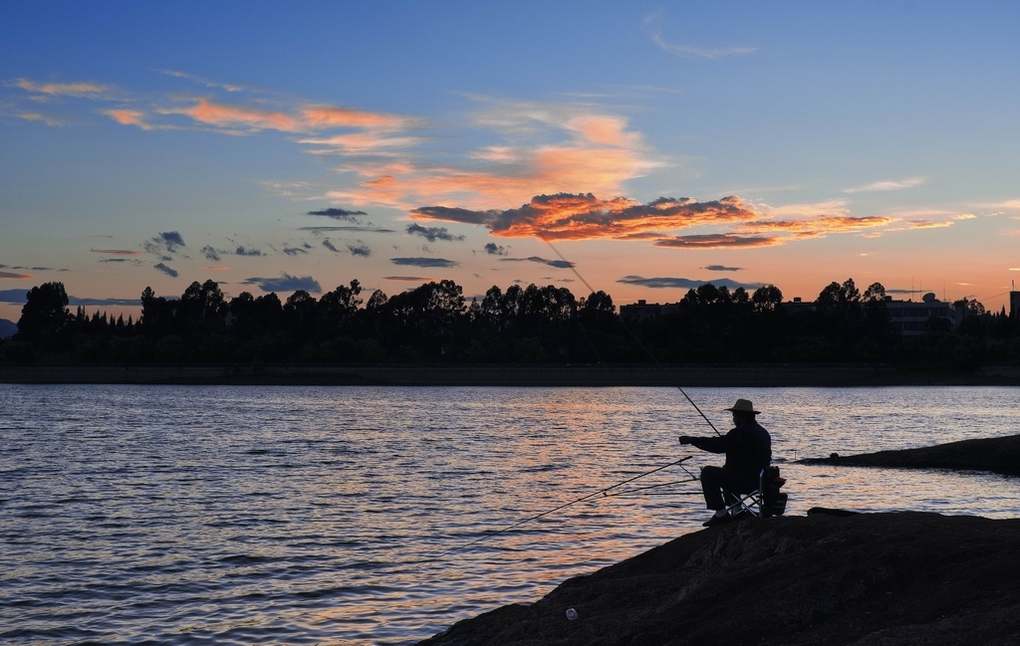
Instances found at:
x=278 y=146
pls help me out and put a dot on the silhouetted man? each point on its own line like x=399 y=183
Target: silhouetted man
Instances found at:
x=748 y=449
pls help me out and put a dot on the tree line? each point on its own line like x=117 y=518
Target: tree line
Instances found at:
x=435 y=323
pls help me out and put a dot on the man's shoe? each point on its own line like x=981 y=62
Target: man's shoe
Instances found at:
x=718 y=520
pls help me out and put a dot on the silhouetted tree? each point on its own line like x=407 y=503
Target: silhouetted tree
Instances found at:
x=44 y=315
x=336 y=309
x=766 y=298
x=202 y=308
x=157 y=313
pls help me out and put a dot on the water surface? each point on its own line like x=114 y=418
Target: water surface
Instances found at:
x=304 y=515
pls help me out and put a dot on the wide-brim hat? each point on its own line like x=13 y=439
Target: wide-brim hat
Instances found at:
x=743 y=406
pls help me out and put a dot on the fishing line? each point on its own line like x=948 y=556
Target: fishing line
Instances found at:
x=604 y=492
x=636 y=340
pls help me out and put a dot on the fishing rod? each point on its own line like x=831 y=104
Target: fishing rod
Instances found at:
x=636 y=340
x=604 y=492
x=646 y=490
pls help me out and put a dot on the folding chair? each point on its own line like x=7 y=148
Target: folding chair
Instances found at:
x=764 y=502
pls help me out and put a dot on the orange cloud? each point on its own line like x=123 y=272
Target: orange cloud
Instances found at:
x=359 y=143
x=599 y=154
x=566 y=216
x=605 y=130
x=306 y=119
x=227 y=116
x=517 y=175
x=817 y=226
x=325 y=116
x=924 y=224
x=8 y=274
x=128 y=118
x=61 y=89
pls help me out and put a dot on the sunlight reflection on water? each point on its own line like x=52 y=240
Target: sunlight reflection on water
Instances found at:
x=367 y=515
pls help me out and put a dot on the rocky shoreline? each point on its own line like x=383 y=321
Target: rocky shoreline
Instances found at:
x=830 y=577
x=519 y=375
x=998 y=455
x=867 y=579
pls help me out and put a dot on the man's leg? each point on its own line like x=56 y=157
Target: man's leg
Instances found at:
x=712 y=480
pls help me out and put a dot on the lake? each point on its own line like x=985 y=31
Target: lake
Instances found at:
x=381 y=515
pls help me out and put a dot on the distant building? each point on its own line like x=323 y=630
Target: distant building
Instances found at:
x=905 y=317
x=642 y=310
x=798 y=305
x=908 y=317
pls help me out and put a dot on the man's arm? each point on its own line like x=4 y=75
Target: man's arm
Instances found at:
x=710 y=444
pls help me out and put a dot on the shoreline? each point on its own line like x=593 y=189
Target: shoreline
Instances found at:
x=518 y=375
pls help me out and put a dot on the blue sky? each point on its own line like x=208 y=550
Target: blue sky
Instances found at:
x=655 y=146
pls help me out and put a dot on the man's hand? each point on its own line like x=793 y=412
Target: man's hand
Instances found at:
x=685 y=439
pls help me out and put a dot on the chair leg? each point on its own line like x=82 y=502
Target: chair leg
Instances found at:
x=748 y=502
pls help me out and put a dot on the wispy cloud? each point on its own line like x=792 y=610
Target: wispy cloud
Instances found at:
x=888 y=185
x=52 y=121
x=408 y=279
x=338 y=214
x=687 y=50
x=926 y=224
x=424 y=262
x=558 y=264
x=75 y=89
x=721 y=268
x=718 y=241
x=359 y=229
x=818 y=226
x=117 y=252
x=229 y=87
x=136 y=118
x=663 y=282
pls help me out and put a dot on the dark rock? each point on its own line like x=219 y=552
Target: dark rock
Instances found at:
x=864 y=579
